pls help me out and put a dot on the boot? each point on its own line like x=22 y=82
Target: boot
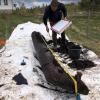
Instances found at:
x=63 y=38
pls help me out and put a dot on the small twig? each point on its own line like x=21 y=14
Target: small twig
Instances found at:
x=3 y=50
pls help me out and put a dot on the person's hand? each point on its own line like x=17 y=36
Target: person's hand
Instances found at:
x=47 y=29
x=66 y=19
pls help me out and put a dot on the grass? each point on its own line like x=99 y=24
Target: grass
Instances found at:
x=93 y=25
x=9 y=21
x=84 y=40
x=77 y=33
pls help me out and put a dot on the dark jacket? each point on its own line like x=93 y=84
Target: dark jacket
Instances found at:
x=54 y=16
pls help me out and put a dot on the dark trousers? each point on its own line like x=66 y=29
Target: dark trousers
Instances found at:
x=54 y=37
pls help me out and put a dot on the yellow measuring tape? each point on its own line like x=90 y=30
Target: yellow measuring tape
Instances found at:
x=75 y=82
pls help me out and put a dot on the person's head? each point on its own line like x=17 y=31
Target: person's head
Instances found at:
x=54 y=5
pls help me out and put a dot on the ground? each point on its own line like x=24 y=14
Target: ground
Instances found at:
x=19 y=47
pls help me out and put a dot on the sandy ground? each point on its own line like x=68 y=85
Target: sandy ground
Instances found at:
x=19 y=47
